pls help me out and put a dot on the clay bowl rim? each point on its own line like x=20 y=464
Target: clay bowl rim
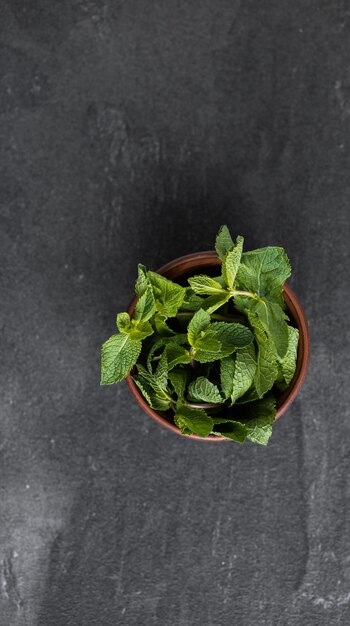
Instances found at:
x=181 y=265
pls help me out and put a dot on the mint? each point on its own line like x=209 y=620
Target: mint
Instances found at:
x=215 y=302
x=198 y=324
x=146 y=306
x=168 y=295
x=231 y=336
x=202 y=390
x=273 y=320
x=119 y=355
x=204 y=285
x=177 y=354
x=287 y=366
x=231 y=263
x=193 y=421
x=223 y=242
x=179 y=378
x=227 y=371
x=266 y=370
x=264 y=270
x=245 y=368
x=223 y=342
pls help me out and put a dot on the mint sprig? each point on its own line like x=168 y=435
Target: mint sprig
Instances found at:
x=215 y=353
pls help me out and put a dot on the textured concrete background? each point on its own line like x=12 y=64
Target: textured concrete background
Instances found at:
x=129 y=131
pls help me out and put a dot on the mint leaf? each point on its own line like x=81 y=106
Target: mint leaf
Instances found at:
x=168 y=295
x=142 y=280
x=140 y=330
x=162 y=327
x=231 y=262
x=157 y=403
x=266 y=371
x=135 y=330
x=231 y=429
x=231 y=336
x=145 y=306
x=274 y=322
x=227 y=370
x=191 y=302
x=118 y=356
x=206 y=347
x=176 y=354
x=245 y=368
x=194 y=420
x=203 y=390
x=262 y=416
x=223 y=242
x=152 y=355
x=263 y=271
x=288 y=364
x=204 y=285
x=178 y=378
x=214 y=302
x=161 y=374
x=160 y=393
x=123 y=322
x=199 y=322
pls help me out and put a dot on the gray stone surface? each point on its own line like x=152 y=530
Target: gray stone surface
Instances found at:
x=129 y=131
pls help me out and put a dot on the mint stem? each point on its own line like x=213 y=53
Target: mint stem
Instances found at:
x=247 y=294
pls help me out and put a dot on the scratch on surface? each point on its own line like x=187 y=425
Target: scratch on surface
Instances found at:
x=216 y=536
x=339 y=93
x=9 y=581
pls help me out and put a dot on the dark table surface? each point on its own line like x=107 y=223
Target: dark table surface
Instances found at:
x=129 y=131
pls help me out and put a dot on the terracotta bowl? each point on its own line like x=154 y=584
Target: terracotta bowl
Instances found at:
x=206 y=262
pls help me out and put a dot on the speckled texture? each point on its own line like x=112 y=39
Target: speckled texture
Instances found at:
x=129 y=131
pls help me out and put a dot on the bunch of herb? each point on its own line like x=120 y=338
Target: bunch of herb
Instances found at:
x=215 y=352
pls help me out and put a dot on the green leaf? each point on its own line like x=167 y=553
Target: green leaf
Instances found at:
x=230 y=429
x=245 y=368
x=142 y=280
x=288 y=364
x=274 y=322
x=212 y=303
x=152 y=354
x=152 y=381
x=199 y=322
x=262 y=416
x=231 y=262
x=194 y=420
x=227 y=370
x=123 y=322
x=168 y=295
x=155 y=402
x=135 y=330
x=250 y=396
x=266 y=371
x=146 y=306
x=204 y=285
x=206 y=347
x=162 y=327
x=203 y=390
x=263 y=271
x=176 y=354
x=140 y=330
x=191 y=302
x=161 y=374
x=178 y=378
x=223 y=242
x=231 y=336
x=119 y=355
